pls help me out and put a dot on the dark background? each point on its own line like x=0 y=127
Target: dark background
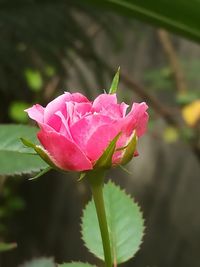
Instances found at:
x=47 y=47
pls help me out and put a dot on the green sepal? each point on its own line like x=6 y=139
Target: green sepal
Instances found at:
x=105 y=161
x=125 y=170
x=7 y=246
x=40 y=151
x=41 y=173
x=115 y=82
x=82 y=175
x=129 y=152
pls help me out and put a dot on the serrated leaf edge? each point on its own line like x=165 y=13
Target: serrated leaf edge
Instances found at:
x=139 y=209
x=28 y=172
x=141 y=213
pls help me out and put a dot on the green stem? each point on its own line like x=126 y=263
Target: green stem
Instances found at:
x=96 y=179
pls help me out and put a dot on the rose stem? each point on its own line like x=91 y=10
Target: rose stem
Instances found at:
x=96 y=179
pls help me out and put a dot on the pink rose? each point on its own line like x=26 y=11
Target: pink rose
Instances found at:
x=75 y=131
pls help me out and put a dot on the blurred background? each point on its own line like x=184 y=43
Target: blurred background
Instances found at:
x=48 y=47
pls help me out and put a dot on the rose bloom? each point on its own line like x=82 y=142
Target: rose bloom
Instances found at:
x=75 y=131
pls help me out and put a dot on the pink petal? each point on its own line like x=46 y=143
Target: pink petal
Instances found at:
x=55 y=122
x=64 y=153
x=82 y=108
x=122 y=142
x=136 y=120
x=64 y=125
x=103 y=101
x=36 y=112
x=70 y=112
x=83 y=129
x=75 y=111
x=99 y=140
x=46 y=127
x=59 y=104
x=107 y=105
x=79 y=98
x=123 y=109
x=142 y=125
x=114 y=111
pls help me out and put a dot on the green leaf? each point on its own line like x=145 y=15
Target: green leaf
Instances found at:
x=181 y=17
x=105 y=161
x=115 y=82
x=42 y=262
x=131 y=147
x=34 y=79
x=125 y=225
x=15 y=159
x=7 y=246
x=75 y=264
x=15 y=163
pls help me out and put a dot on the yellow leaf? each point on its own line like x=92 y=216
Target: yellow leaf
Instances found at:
x=191 y=113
